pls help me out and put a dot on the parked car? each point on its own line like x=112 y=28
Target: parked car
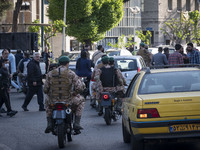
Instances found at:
x=119 y=52
x=129 y=66
x=162 y=104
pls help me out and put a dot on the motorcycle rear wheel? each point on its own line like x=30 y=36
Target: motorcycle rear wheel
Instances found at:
x=61 y=135
x=107 y=116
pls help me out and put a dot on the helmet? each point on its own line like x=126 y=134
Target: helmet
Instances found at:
x=63 y=59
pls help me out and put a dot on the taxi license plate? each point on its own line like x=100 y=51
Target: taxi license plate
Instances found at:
x=184 y=127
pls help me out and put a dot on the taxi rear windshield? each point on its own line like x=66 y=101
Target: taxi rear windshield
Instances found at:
x=169 y=82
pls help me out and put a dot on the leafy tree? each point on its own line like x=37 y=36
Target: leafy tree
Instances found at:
x=121 y=44
x=49 y=31
x=194 y=18
x=87 y=20
x=177 y=29
x=144 y=37
x=4 y=5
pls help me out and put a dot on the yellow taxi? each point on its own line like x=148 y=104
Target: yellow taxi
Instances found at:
x=162 y=105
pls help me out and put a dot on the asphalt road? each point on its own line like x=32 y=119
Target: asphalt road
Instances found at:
x=25 y=131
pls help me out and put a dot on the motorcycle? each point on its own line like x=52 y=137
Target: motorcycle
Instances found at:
x=111 y=105
x=63 y=123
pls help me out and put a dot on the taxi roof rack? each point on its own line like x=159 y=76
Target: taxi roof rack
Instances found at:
x=175 y=66
x=148 y=69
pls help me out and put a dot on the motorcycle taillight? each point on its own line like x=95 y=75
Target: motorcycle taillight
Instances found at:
x=106 y=96
x=59 y=106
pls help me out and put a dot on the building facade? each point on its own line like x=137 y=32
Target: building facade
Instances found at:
x=127 y=26
x=156 y=12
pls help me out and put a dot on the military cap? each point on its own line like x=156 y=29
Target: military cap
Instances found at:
x=111 y=59
x=105 y=59
x=142 y=44
x=63 y=59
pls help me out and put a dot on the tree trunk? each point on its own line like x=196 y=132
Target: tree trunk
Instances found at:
x=16 y=14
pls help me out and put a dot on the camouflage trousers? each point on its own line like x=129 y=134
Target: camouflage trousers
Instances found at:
x=77 y=102
x=110 y=89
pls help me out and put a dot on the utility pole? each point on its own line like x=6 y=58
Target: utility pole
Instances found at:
x=42 y=27
x=64 y=19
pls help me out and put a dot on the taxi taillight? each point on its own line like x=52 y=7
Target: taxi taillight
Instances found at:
x=148 y=113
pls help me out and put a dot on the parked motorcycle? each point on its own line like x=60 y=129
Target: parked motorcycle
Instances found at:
x=111 y=106
x=63 y=123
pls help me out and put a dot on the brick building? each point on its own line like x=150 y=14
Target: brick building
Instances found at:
x=156 y=12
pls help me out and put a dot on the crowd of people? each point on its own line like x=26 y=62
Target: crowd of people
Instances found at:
x=63 y=84
x=176 y=58
x=15 y=68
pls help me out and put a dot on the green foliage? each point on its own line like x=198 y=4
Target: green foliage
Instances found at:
x=145 y=38
x=194 y=18
x=49 y=31
x=121 y=43
x=87 y=20
x=4 y=5
x=177 y=29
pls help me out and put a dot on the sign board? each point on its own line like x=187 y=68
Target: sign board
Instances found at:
x=149 y=28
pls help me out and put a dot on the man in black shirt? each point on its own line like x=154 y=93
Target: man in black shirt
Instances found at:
x=34 y=77
x=4 y=87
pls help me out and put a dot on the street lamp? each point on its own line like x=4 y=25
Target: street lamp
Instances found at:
x=64 y=19
x=134 y=10
x=25 y=6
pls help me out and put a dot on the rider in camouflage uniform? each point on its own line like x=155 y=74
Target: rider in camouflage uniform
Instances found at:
x=122 y=82
x=63 y=85
x=99 y=79
x=145 y=54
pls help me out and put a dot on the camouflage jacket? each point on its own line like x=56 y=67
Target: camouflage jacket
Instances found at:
x=74 y=84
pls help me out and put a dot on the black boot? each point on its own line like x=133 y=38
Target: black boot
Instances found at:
x=49 y=125
x=77 y=125
x=11 y=113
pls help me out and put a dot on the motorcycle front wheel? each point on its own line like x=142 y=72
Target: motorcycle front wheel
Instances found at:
x=107 y=116
x=61 y=135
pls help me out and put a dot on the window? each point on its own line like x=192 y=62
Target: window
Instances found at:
x=187 y=5
x=131 y=88
x=169 y=82
x=179 y=5
x=46 y=2
x=169 y=4
x=196 y=5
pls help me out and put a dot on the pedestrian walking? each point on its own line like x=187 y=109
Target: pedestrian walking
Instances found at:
x=34 y=77
x=98 y=54
x=46 y=57
x=176 y=57
x=12 y=61
x=159 y=59
x=18 y=57
x=193 y=55
x=5 y=87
